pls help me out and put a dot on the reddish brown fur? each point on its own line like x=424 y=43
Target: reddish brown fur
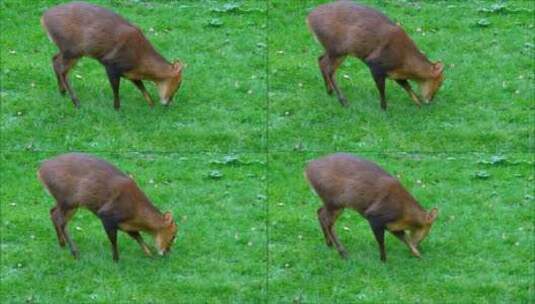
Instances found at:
x=344 y=181
x=80 y=29
x=81 y=181
x=345 y=28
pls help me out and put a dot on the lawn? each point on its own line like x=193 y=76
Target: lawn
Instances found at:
x=227 y=158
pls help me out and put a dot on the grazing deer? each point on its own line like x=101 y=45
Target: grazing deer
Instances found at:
x=345 y=28
x=344 y=181
x=80 y=29
x=81 y=181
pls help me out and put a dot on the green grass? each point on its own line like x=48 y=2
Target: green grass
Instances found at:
x=227 y=158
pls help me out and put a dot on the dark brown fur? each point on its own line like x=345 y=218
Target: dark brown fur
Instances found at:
x=344 y=181
x=80 y=29
x=345 y=28
x=81 y=181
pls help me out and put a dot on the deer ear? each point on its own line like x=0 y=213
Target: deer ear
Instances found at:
x=438 y=67
x=168 y=218
x=432 y=215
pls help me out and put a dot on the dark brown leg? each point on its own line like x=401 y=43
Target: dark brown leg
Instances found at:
x=407 y=86
x=378 y=229
x=137 y=236
x=328 y=65
x=379 y=75
x=141 y=87
x=62 y=67
x=114 y=77
x=111 y=230
x=111 y=217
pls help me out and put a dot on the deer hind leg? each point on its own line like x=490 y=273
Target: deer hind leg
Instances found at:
x=74 y=250
x=328 y=217
x=328 y=84
x=55 y=215
x=328 y=66
x=62 y=66
x=57 y=70
x=61 y=217
x=323 y=226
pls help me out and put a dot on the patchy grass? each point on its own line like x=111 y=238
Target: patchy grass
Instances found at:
x=227 y=158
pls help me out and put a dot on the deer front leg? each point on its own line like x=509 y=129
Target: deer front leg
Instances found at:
x=407 y=86
x=137 y=236
x=402 y=237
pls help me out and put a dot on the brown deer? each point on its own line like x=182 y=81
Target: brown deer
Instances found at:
x=80 y=29
x=78 y=180
x=346 y=28
x=344 y=181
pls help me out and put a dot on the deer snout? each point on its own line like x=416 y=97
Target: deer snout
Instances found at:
x=165 y=102
x=164 y=251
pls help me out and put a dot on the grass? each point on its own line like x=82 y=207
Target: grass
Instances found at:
x=227 y=158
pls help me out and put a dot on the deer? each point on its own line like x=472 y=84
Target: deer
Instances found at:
x=345 y=28
x=78 y=180
x=81 y=29
x=344 y=181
